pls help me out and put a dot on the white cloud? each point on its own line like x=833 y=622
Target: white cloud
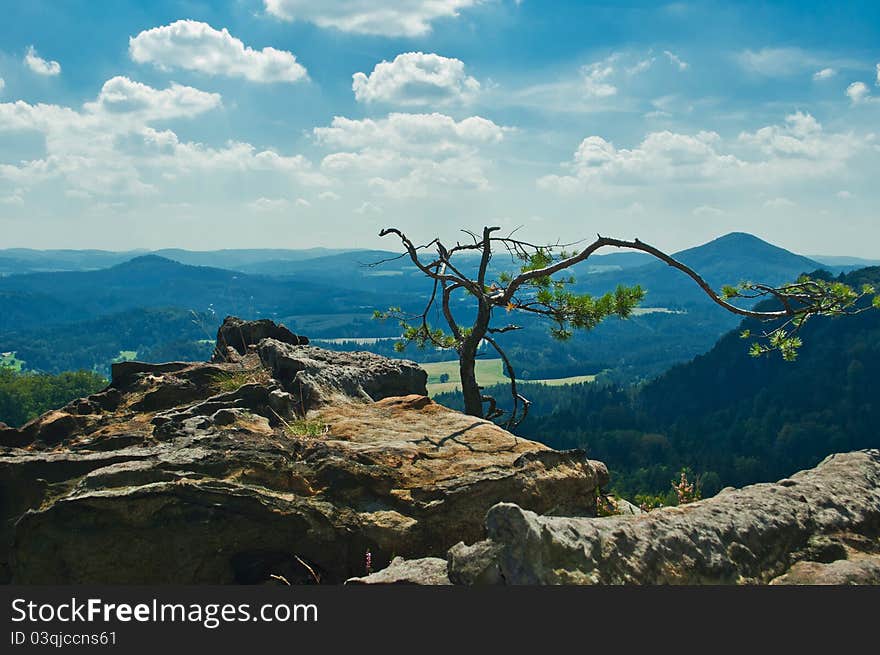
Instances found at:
x=640 y=66
x=302 y=202
x=367 y=208
x=416 y=78
x=707 y=210
x=596 y=78
x=328 y=195
x=676 y=60
x=39 y=65
x=844 y=194
x=858 y=92
x=779 y=203
x=268 y=204
x=2 y=84
x=406 y=132
x=824 y=74
x=776 y=62
x=191 y=45
x=662 y=156
x=389 y=18
x=14 y=198
x=798 y=149
x=109 y=148
x=127 y=98
x=409 y=155
x=802 y=140
x=878 y=75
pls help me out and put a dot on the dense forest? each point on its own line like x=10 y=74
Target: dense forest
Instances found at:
x=24 y=396
x=152 y=335
x=730 y=418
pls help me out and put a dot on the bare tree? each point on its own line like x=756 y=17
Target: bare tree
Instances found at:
x=538 y=289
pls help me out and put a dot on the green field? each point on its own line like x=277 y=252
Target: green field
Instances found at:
x=8 y=360
x=126 y=356
x=489 y=372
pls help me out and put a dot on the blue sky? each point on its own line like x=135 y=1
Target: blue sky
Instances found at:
x=288 y=123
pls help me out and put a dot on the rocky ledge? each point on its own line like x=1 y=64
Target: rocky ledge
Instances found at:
x=821 y=526
x=275 y=459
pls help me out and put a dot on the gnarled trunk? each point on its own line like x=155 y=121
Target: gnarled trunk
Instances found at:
x=473 y=398
x=467 y=358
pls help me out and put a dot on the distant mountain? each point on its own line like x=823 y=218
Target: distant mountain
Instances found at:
x=730 y=259
x=151 y=281
x=845 y=262
x=15 y=261
x=330 y=294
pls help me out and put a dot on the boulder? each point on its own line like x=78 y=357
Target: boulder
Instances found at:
x=319 y=376
x=290 y=461
x=424 y=571
x=751 y=535
x=238 y=334
x=857 y=571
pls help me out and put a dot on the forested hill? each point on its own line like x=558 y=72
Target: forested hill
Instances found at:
x=727 y=416
x=143 y=307
x=726 y=260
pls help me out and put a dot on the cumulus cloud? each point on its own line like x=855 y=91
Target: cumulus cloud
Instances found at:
x=268 y=204
x=410 y=132
x=390 y=18
x=858 y=92
x=2 y=84
x=110 y=148
x=127 y=98
x=662 y=156
x=39 y=65
x=196 y=46
x=596 y=78
x=416 y=78
x=676 y=60
x=409 y=155
x=824 y=74
x=844 y=194
x=797 y=149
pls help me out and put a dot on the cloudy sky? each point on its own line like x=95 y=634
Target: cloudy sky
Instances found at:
x=295 y=123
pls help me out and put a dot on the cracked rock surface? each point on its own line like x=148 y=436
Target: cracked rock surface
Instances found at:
x=820 y=526
x=275 y=458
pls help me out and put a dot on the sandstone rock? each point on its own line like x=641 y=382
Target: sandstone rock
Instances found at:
x=476 y=564
x=237 y=334
x=214 y=473
x=424 y=571
x=319 y=376
x=750 y=535
x=858 y=571
x=624 y=507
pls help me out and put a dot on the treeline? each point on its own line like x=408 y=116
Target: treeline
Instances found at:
x=156 y=335
x=24 y=396
x=731 y=418
x=632 y=350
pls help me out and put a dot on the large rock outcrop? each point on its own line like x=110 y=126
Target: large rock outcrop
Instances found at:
x=821 y=526
x=278 y=458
